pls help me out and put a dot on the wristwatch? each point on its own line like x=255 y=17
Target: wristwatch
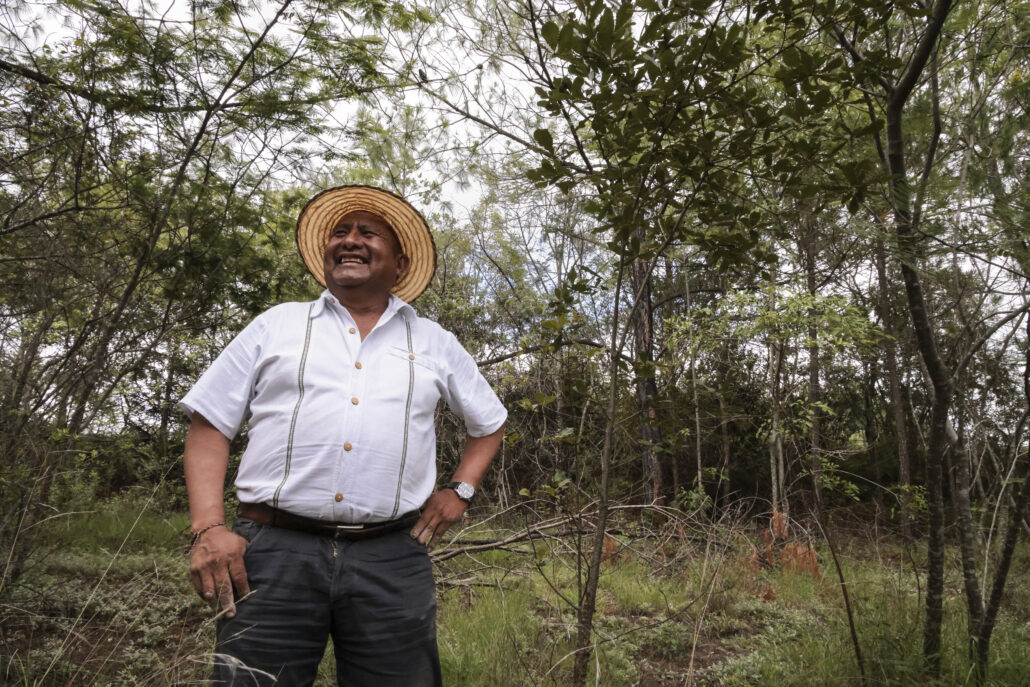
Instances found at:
x=464 y=490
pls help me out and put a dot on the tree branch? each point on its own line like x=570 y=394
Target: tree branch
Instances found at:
x=899 y=94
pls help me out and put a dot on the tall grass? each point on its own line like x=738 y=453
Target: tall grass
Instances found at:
x=491 y=636
x=801 y=636
x=672 y=610
x=105 y=601
x=105 y=526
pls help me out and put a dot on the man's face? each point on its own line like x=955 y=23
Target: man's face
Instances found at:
x=363 y=253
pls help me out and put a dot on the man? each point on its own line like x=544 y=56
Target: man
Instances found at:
x=337 y=485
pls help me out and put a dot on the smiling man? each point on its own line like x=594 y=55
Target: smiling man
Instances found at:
x=337 y=486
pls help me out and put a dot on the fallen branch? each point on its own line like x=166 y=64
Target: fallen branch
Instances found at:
x=537 y=530
x=546 y=528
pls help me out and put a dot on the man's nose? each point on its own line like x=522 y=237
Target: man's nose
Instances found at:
x=351 y=237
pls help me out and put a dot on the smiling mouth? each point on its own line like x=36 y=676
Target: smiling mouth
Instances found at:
x=351 y=259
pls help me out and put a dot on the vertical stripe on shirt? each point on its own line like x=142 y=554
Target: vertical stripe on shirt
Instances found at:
x=296 y=408
x=407 y=419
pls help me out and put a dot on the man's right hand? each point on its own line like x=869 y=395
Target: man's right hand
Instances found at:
x=216 y=566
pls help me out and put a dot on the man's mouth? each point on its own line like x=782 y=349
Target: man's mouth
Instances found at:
x=355 y=259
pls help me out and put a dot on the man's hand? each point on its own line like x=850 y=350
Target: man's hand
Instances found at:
x=439 y=512
x=216 y=566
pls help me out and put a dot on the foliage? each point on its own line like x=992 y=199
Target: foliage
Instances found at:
x=141 y=214
x=709 y=182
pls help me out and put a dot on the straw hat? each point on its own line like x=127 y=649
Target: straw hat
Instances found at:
x=321 y=214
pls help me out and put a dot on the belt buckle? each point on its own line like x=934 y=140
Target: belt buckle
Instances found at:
x=342 y=529
x=339 y=527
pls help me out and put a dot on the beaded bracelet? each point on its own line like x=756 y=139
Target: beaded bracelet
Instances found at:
x=196 y=535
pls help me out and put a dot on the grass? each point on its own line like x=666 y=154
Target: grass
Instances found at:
x=492 y=623
x=100 y=606
x=105 y=600
x=802 y=637
x=106 y=528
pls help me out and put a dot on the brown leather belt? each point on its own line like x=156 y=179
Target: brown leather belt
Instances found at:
x=266 y=515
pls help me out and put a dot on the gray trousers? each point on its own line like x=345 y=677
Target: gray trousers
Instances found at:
x=374 y=597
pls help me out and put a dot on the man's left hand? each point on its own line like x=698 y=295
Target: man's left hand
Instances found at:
x=440 y=511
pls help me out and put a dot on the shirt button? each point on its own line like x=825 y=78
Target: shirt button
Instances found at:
x=347 y=446
x=352 y=330
x=411 y=356
x=354 y=401
x=339 y=497
x=357 y=365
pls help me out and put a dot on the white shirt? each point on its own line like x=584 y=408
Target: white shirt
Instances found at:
x=339 y=428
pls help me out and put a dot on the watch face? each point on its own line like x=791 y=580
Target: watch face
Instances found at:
x=465 y=490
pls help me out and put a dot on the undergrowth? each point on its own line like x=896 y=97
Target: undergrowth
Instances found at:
x=105 y=600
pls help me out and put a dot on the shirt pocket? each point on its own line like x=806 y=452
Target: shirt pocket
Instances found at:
x=418 y=370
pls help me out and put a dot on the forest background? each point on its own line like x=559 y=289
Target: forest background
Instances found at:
x=751 y=278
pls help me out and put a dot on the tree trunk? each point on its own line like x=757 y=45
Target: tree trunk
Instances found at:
x=814 y=390
x=647 y=387
x=694 y=392
x=906 y=224
x=776 y=464
x=897 y=402
x=981 y=641
x=722 y=492
x=588 y=597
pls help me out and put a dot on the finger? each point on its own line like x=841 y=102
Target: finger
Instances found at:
x=225 y=600
x=428 y=521
x=419 y=527
x=437 y=526
x=440 y=530
x=197 y=581
x=238 y=573
x=207 y=585
x=437 y=533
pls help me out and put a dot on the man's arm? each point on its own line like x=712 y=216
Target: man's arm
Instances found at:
x=444 y=508
x=216 y=557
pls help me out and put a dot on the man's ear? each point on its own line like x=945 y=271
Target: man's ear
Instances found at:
x=403 y=263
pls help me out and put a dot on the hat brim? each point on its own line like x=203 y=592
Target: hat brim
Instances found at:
x=322 y=213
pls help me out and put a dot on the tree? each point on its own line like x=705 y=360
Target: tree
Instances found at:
x=138 y=202
x=908 y=81
x=659 y=117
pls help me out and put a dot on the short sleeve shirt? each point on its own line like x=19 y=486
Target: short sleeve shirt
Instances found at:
x=339 y=428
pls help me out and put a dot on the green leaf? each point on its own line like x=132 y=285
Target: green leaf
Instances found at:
x=543 y=399
x=544 y=138
x=605 y=31
x=566 y=38
x=653 y=30
x=550 y=33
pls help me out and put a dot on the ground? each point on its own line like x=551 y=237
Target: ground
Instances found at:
x=679 y=604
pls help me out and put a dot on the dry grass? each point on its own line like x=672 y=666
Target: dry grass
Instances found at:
x=681 y=603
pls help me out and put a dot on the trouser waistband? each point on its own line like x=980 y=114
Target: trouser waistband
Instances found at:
x=266 y=515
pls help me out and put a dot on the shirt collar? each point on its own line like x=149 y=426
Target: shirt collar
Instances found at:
x=393 y=306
